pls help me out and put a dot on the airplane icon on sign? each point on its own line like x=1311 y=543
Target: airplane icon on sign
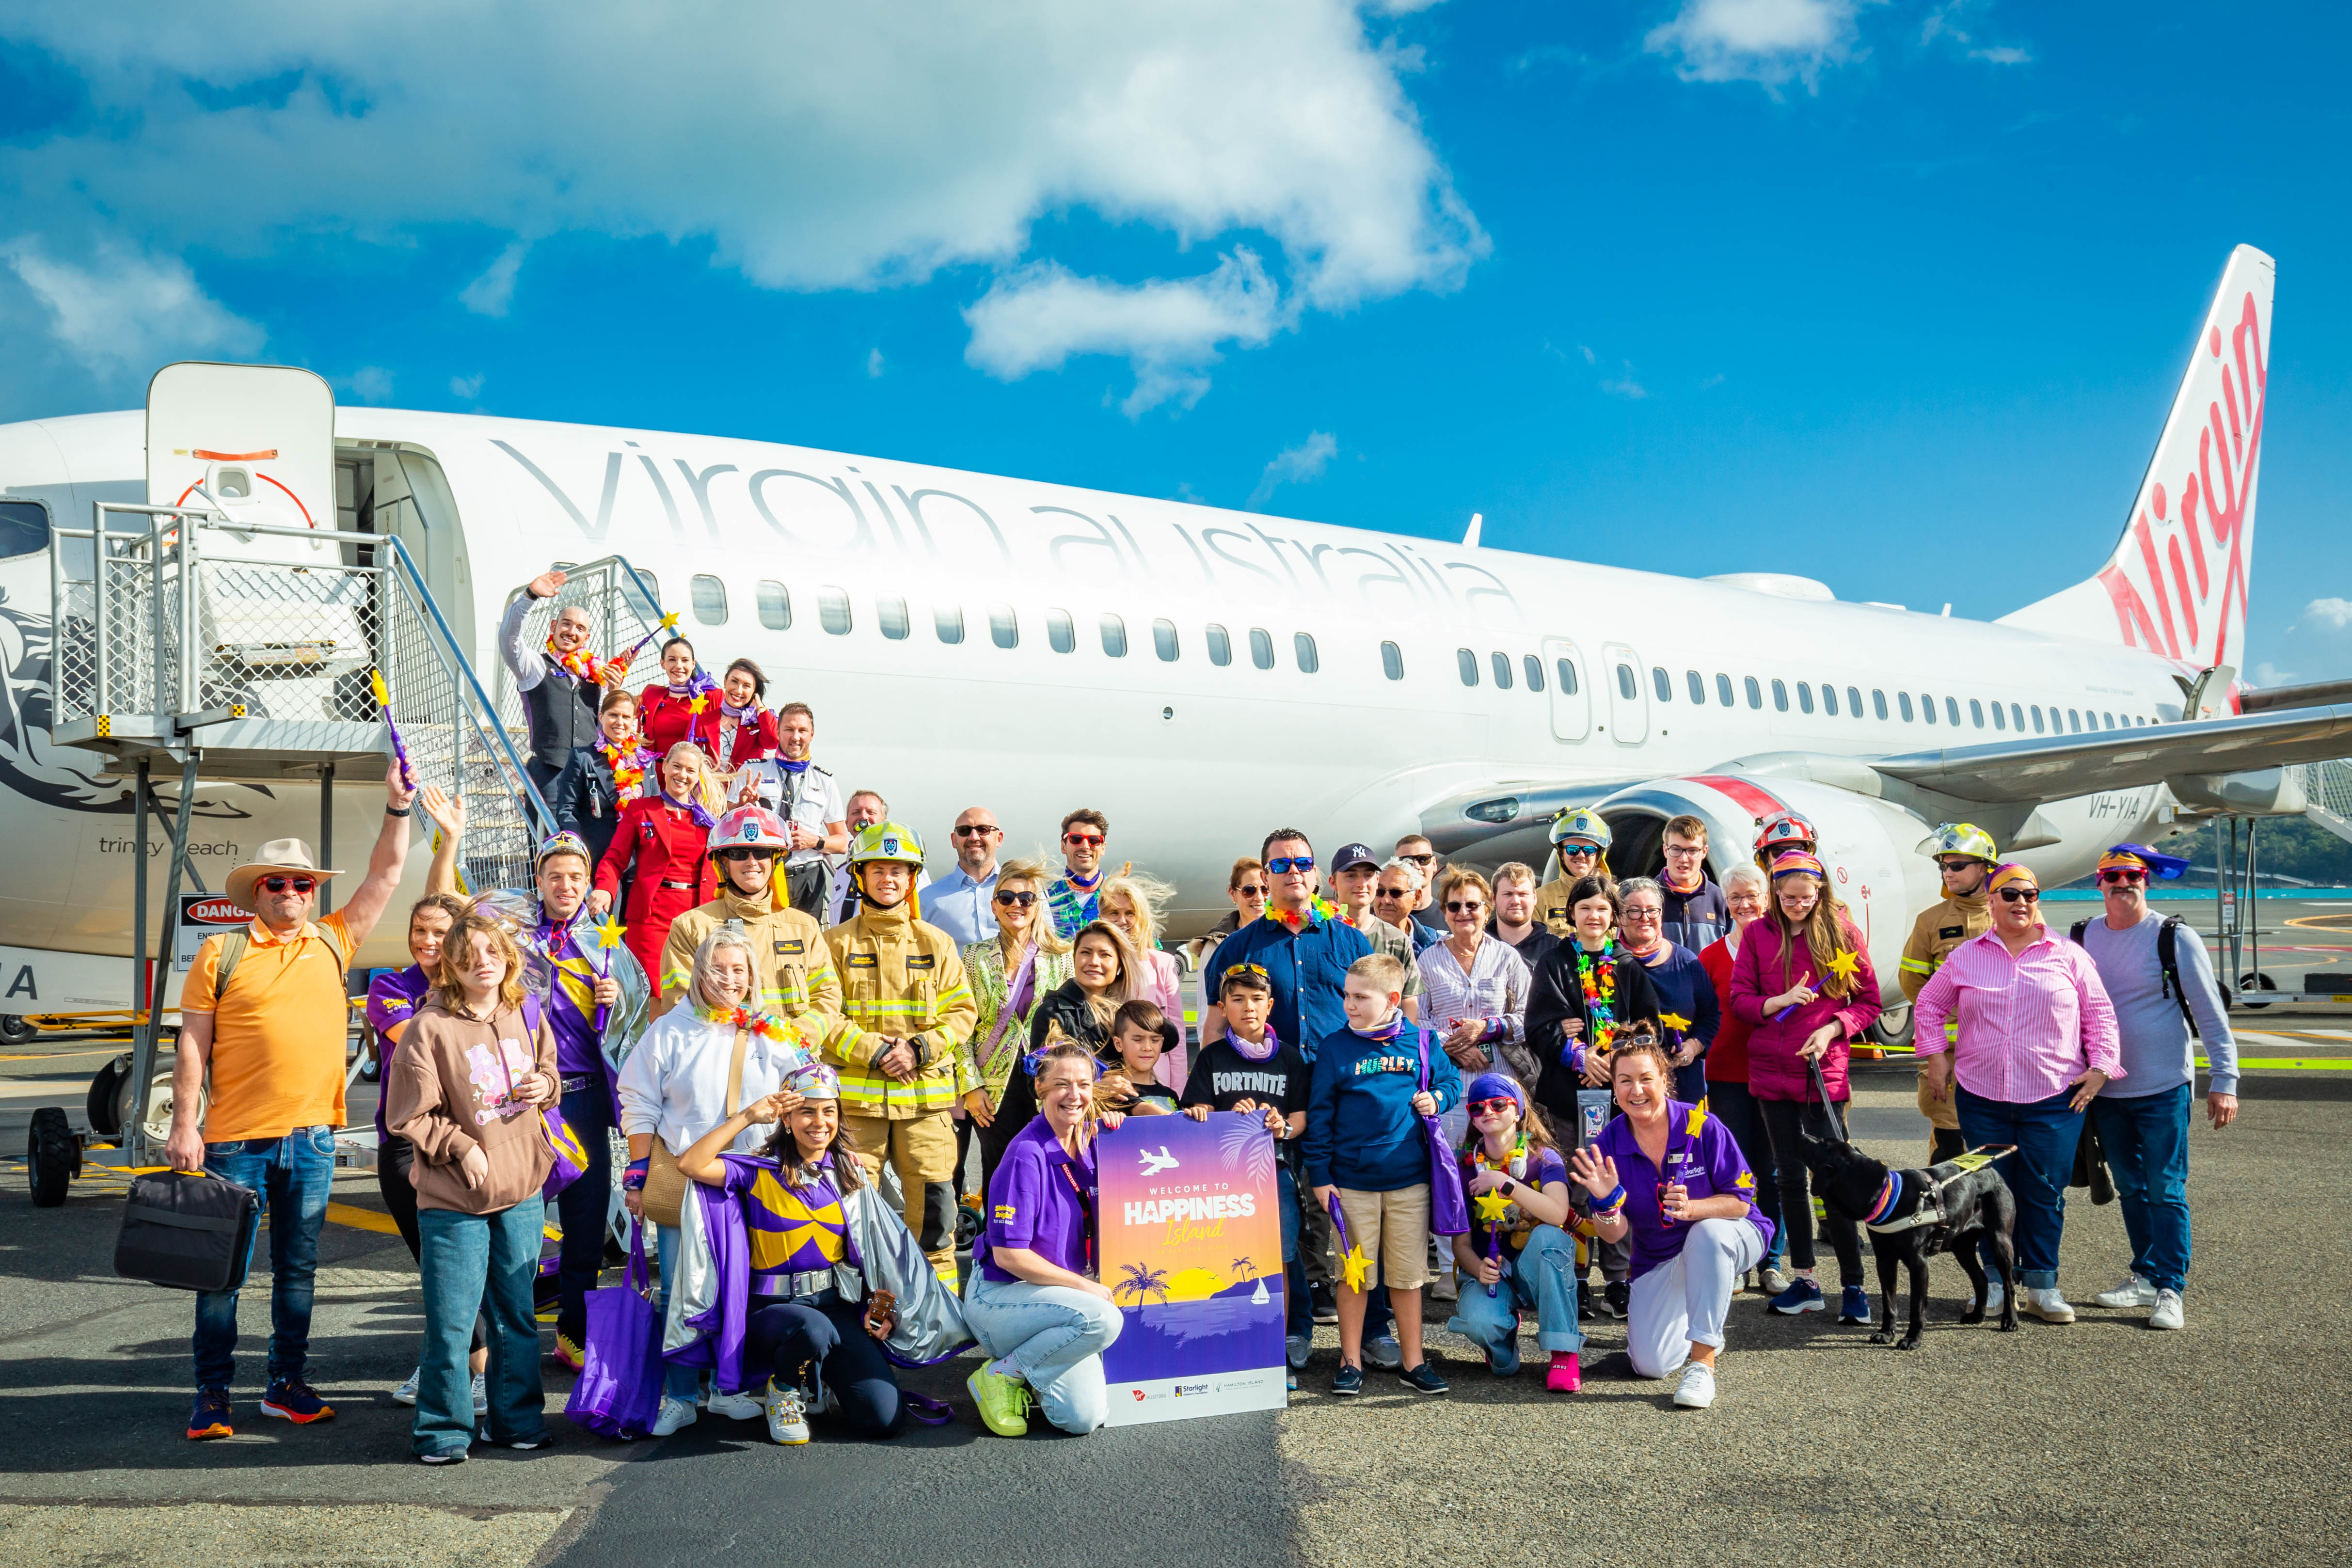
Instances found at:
x=1155 y=1163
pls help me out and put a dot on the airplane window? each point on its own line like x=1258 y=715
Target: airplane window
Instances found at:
x=1697 y=684
x=775 y=605
x=2073 y=721
x=24 y=529
x=1468 y=664
x=1261 y=648
x=1221 y=647
x=1998 y=721
x=1061 y=634
x=891 y=612
x=2111 y=721
x=1502 y=662
x=1952 y=711
x=1533 y=668
x=1627 y=687
x=1976 y=712
x=1565 y=670
x=1663 y=683
x=1828 y=699
x=1927 y=707
x=1755 y=692
x=1003 y=626
x=710 y=597
x=1854 y=700
x=948 y=619
x=833 y=610
x=2016 y=718
x=1780 y=697
x=2036 y=711
x=1904 y=698
x=1114 y=637
x=1392 y=661
x=1805 y=696
x=1302 y=648
x=1877 y=703
x=1163 y=640
x=1723 y=689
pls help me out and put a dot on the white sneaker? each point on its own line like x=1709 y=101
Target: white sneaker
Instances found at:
x=481 y=1393
x=675 y=1413
x=787 y=1417
x=1696 y=1390
x=407 y=1392
x=735 y=1406
x=828 y=1403
x=2168 y=1311
x=2134 y=1291
x=1994 y=1297
x=2047 y=1304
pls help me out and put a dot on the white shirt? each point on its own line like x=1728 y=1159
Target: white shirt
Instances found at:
x=965 y=909
x=674 y=1084
x=813 y=798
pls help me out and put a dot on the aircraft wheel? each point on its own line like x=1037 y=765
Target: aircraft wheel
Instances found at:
x=15 y=1031
x=52 y=1156
x=1891 y=1027
x=104 y=1107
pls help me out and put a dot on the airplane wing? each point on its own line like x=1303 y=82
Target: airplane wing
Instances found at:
x=2057 y=767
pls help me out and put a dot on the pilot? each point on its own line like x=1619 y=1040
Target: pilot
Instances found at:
x=1964 y=852
x=907 y=1011
x=1782 y=835
x=793 y=968
x=1580 y=840
x=557 y=682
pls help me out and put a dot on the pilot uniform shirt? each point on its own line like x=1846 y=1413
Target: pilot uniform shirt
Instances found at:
x=1041 y=1200
x=1701 y=1154
x=811 y=796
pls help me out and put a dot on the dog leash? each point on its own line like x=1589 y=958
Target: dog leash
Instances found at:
x=1837 y=1123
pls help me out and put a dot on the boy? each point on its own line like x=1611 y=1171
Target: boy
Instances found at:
x=1254 y=1072
x=1365 y=1145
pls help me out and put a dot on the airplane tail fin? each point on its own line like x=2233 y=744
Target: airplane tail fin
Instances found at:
x=2176 y=581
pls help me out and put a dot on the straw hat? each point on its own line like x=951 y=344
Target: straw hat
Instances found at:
x=279 y=857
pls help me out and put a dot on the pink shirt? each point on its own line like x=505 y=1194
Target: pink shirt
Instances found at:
x=1159 y=983
x=2029 y=1025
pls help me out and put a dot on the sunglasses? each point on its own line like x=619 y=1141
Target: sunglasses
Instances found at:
x=1023 y=899
x=1956 y=862
x=2118 y=875
x=280 y=883
x=1252 y=889
x=1462 y=906
x=1392 y=894
x=1578 y=852
x=1430 y=858
x=980 y=831
x=1090 y=839
x=738 y=854
x=1257 y=969
x=1281 y=863
x=2020 y=894
x=1493 y=1107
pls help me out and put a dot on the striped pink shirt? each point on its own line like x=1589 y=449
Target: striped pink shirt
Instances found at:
x=2029 y=1025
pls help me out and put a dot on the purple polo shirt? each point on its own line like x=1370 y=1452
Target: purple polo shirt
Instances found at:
x=1039 y=1200
x=1701 y=1154
x=392 y=1000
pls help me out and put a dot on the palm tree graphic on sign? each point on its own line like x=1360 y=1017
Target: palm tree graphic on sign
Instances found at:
x=1139 y=1282
x=1242 y=1267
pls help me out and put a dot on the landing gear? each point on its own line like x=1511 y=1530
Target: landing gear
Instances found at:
x=2249 y=984
x=15 y=1031
x=52 y=1156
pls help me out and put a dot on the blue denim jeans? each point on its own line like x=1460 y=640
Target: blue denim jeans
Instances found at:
x=2046 y=1133
x=2146 y=1141
x=481 y=1263
x=1054 y=1337
x=585 y=1208
x=1733 y=1106
x=678 y=1382
x=1542 y=1276
x=293 y=1174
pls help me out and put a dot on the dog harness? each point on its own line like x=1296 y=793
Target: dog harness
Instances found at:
x=1931 y=1196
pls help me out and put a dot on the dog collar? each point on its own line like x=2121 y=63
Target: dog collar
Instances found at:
x=1890 y=1193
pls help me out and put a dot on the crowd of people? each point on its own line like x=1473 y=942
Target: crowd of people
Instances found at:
x=752 y=980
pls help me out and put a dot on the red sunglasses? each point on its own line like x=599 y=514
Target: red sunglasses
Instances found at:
x=1082 y=838
x=2115 y=874
x=1488 y=1107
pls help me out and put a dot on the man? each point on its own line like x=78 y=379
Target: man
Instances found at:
x=1695 y=914
x=1582 y=839
x=263 y=1021
x=1074 y=897
x=1354 y=870
x=963 y=902
x=558 y=684
x=794 y=969
x=865 y=809
x=1965 y=855
x=1515 y=919
x=2162 y=999
x=907 y=1011
x=809 y=800
x=1428 y=922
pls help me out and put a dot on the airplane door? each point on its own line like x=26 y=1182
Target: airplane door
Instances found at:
x=1572 y=689
x=1629 y=707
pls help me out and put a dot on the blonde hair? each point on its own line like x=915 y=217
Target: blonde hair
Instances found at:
x=697 y=986
x=458 y=951
x=1515 y=871
x=1144 y=895
x=1036 y=874
x=1458 y=876
x=1381 y=970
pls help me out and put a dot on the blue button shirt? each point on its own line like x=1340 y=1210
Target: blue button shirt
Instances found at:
x=965 y=909
x=1306 y=968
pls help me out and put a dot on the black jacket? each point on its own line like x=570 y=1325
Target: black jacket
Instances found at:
x=1556 y=998
x=1065 y=1005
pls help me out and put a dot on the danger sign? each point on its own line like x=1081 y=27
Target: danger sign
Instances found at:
x=201 y=915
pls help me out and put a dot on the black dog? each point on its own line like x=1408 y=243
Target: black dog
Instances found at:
x=1964 y=1210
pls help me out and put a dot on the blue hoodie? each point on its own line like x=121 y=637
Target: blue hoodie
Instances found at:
x=1362 y=1133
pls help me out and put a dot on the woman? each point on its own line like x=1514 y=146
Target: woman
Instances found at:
x=478 y=1157
x=1246 y=890
x=1517 y=1256
x=1133 y=902
x=1726 y=1066
x=1473 y=986
x=620 y=770
x=1681 y=982
x=662 y=842
x=1080 y=1011
x=1587 y=991
x=666 y=711
x=1008 y=975
x=1033 y=1302
x=1669 y=1177
x=1803 y=985
x=693 y=1067
x=1580 y=841
x=2037 y=1042
x=736 y=731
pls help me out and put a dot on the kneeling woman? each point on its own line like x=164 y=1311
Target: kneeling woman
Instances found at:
x=1033 y=1302
x=1671 y=1176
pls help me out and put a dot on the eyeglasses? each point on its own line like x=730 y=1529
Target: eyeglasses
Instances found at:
x=980 y=829
x=1677 y=851
x=1281 y=863
x=1462 y=906
x=1955 y=862
x=1089 y=839
x=739 y=854
x=280 y=883
x=1023 y=899
x=1634 y=913
x=1251 y=890
x=2020 y=894
x=1493 y=1107
x=2115 y=874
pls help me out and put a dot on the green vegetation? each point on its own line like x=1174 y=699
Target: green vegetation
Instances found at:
x=2290 y=848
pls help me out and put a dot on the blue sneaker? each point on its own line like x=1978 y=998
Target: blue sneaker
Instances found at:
x=1349 y=1380
x=1295 y=1349
x=1854 y=1305
x=1384 y=1352
x=291 y=1399
x=1801 y=1296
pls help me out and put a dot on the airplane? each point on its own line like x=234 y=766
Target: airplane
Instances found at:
x=1153 y=1164
x=1206 y=676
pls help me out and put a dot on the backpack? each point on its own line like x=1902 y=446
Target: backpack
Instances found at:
x=2168 y=958
x=234 y=944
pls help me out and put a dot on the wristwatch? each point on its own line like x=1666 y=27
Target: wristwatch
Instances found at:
x=1510 y=1186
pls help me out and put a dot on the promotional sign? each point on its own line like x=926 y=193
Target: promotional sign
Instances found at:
x=201 y=916
x=1192 y=1250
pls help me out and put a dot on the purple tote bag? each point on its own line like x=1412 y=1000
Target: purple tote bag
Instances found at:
x=1449 y=1213
x=619 y=1391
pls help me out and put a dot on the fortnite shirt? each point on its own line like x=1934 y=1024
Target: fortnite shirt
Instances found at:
x=1222 y=1076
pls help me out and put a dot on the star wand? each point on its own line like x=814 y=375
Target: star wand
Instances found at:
x=399 y=747
x=608 y=936
x=1492 y=1207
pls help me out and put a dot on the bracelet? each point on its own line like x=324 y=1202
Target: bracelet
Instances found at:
x=1610 y=1204
x=396 y=810
x=633 y=1179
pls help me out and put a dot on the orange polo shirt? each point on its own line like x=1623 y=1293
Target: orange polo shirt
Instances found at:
x=277 y=1055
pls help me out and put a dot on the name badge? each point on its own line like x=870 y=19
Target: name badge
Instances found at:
x=792 y=947
x=862 y=961
x=1952 y=931
x=921 y=961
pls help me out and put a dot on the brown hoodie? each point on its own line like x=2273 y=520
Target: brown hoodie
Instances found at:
x=447 y=1092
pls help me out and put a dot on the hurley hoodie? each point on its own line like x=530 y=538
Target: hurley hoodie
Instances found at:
x=1362 y=1133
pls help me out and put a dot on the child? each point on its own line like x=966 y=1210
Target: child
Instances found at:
x=1252 y=1073
x=1366 y=1144
x=1509 y=1153
x=1139 y=1035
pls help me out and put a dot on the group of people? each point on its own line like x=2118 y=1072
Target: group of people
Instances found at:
x=755 y=983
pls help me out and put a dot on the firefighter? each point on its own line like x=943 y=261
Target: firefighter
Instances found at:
x=795 y=978
x=1964 y=852
x=1782 y=834
x=1580 y=841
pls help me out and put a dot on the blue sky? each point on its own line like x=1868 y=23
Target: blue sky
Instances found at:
x=1895 y=295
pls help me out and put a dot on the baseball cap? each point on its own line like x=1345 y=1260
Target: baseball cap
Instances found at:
x=1352 y=855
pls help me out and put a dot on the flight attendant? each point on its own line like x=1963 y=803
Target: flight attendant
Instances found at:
x=667 y=710
x=663 y=842
x=736 y=731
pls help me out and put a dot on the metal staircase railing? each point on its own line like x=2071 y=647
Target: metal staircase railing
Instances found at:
x=2327 y=788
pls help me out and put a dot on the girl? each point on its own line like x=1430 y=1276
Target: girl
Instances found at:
x=1008 y=973
x=1803 y=984
x=1744 y=888
x=1678 y=977
x=1518 y=1252
x=666 y=711
x=1133 y=902
x=1140 y=1039
x=467 y=1089
x=662 y=843
x=1587 y=993
x=1102 y=981
x=1033 y=1302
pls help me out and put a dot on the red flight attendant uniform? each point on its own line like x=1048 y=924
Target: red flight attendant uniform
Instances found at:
x=669 y=852
x=664 y=718
x=754 y=737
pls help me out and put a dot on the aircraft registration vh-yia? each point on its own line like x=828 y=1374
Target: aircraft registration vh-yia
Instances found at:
x=1204 y=676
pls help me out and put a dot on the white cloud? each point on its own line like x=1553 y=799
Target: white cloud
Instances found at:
x=121 y=310
x=2316 y=647
x=1946 y=21
x=812 y=147
x=368 y=383
x=1295 y=465
x=1767 y=41
x=466 y=387
x=1625 y=386
x=874 y=365
x=1590 y=357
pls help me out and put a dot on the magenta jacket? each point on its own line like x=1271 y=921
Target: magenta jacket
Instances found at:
x=1774 y=1070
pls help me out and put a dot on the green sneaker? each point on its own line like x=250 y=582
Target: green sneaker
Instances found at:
x=1003 y=1402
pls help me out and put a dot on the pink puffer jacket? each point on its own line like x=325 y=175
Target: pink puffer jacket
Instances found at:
x=1774 y=1070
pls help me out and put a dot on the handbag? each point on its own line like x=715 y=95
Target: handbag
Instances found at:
x=664 y=1198
x=1449 y=1212
x=187 y=1230
x=619 y=1390
x=568 y=1159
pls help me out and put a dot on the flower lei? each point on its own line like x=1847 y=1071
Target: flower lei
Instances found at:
x=1514 y=1166
x=583 y=665
x=767 y=1025
x=1596 y=973
x=1319 y=909
x=628 y=768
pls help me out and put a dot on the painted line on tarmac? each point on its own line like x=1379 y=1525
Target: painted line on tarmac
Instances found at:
x=2289 y=1063
x=361 y=1219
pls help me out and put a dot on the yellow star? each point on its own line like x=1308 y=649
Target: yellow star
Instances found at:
x=1355 y=1266
x=1492 y=1206
x=701 y=701
x=1841 y=965
x=669 y=621
x=608 y=932
x=1674 y=1021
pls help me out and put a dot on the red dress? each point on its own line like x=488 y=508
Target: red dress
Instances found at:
x=664 y=720
x=754 y=737
x=658 y=843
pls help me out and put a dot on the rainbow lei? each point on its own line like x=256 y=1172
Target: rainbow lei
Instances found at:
x=767 y=1025
x=1319 y=909
x=1596 y=974
x=583 y=665
x=628 y=768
